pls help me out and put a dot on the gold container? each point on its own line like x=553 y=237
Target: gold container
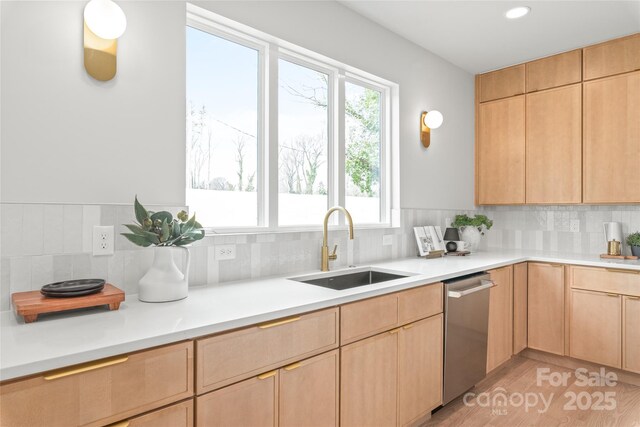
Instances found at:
x=613 y=248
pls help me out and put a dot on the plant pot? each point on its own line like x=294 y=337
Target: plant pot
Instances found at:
x=164 y=281
x=635 y=250
x=472 y=236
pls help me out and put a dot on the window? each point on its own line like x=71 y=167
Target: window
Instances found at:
x=222 y=130
x=276 y=134
x=362 y=117
x=303 y=144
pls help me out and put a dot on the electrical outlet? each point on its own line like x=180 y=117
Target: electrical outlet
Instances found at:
x=225 y=252
x=574 y=226
x=387 y=240
x=102 y=240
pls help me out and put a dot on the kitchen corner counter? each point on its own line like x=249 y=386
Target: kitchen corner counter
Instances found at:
x=67 y=339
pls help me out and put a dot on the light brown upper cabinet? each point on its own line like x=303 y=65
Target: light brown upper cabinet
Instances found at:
x=501 y=83
x=554 y=71
x=500 y=339
x=501 y=152
x=612 y=139
x=613 y=57
x=554 y=146
x=545 y=321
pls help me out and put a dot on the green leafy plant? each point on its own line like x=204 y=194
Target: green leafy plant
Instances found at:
x=633 y=239
x=481 y=222
x=162 y=229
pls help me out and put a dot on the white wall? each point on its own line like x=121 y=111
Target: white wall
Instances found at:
x=69 y=138
x=56 y=119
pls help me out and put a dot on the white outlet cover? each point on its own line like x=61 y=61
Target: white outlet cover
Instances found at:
x=387 y=240
x=103 y=240
x=574 y=227
x=225 y=252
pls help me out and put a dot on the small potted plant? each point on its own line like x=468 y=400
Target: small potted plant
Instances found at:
x=472 y=228
x=633 y=240
x=164 y=281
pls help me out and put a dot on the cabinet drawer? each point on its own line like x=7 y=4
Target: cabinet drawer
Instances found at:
x=100 y=392
x=365 y=318
x=554 y=71
x=612 y=57
x=234 y=356
x=178 y=415
x=418 y=303
x=626 y=282
x=501 y=83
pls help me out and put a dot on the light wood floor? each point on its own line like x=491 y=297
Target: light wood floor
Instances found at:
x=519 y=376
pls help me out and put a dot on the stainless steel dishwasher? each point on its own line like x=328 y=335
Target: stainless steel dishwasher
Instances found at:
x=466 y=326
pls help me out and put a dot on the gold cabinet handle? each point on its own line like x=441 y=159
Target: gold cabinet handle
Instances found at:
x=279 y=322
x=120 y=424
x=409 y=326
x=85 y=368
x=267 y=375
x=613 y=295
x=621 y=270
x=393 y=331
x=550 y=264
x=292 y=366
x=633 y=298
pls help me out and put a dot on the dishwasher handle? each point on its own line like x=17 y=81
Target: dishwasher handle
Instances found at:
x=484 y=284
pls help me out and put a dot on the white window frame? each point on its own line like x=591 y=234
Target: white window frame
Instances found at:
x=271 y=50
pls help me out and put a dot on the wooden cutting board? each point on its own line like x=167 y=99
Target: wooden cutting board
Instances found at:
x=31 y=304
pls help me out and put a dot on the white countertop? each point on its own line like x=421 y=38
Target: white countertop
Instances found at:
x=67 y=339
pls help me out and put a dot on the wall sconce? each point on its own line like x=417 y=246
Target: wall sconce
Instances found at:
x=104 y=22
x=431 y=120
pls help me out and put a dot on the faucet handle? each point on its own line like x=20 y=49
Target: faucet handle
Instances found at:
x=334 y=256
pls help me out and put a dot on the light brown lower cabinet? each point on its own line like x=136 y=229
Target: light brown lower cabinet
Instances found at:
x=631 y=334
x=252 y=402
x=595 y=326
x=420 y=374
x=393 y=378
x=303 y=393
x=178 y=415
x=100 y=392
x=545 y=318
x=519 y=307
x=500 y=339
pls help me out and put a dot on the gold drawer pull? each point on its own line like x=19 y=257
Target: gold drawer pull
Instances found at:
x=633 y=298
x=409 y=326
x=393 y=331
x=120 y=424
x=279 y=322
x=613 y=295
x=86 y=368
x=550 y=264
x=267 y=375
x=621 y=270
x=292 y=366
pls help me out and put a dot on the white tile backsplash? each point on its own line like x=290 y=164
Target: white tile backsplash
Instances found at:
x=42 y=243
x=72 y=229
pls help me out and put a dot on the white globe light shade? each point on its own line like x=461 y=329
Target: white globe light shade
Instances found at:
x=105 y=19
x=433 y=119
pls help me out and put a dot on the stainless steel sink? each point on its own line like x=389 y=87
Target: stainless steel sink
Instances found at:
x=347 y=279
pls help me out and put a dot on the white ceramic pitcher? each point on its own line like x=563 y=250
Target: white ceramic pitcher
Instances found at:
x=164 y=281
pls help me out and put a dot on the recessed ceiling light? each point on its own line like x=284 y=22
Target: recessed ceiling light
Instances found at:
x=517 y=12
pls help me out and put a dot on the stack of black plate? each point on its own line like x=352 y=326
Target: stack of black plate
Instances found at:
x=72 y=288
